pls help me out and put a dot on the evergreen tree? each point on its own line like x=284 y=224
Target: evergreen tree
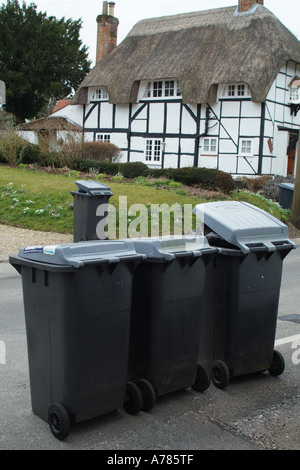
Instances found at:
x=40 y=58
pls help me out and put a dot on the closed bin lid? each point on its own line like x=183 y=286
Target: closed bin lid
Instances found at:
x=93 y=188
x=243 y=225
x=168 y=248
x=77 y=255
x=289 y=186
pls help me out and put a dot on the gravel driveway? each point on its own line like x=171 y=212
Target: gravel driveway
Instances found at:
x=12 y=239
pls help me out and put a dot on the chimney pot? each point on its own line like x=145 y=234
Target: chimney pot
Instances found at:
x=111 y=8
x=107 y=31
x=105 y=8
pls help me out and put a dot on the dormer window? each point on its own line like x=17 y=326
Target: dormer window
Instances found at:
x=234 y=91
x=160 y=89
x=98 y=94
x=294 y=91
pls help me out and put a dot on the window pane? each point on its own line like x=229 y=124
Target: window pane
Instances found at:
x=149 y=150
x=231 y=90
x=206 y=145
x=147 y=93
x=213 y=145
x=103 y=137
x=241 y=90
x=246 y=146
x=169 y=88
x=178 y=89
x=100 y=94
x=294 y=94
x=157 y=145
x=157 y=89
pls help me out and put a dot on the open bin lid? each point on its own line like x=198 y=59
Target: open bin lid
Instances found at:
x=77 y=255
x=93 y=188
x=168 y=248
x=243 y=225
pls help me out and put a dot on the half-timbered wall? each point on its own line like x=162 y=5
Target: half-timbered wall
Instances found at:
x=234 y=134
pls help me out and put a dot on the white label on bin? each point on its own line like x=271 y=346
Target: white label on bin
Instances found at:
x=33 y=249
x=49 y=250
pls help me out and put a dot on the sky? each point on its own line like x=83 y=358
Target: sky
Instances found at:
x=129 y=12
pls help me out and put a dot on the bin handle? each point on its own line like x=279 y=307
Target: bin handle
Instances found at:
x=183 y=254
x=271 y=246
x=285 y=245
x=209 y=251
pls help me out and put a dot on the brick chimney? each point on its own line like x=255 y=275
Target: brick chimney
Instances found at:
x=107 y=31
x=246 y=5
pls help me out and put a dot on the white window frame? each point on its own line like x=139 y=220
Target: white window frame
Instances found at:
x=98 y=94
x=153 y=151
x=234 y=91
x=210 y=146
x=246 y=147
x=103 y=138
x=160 y=89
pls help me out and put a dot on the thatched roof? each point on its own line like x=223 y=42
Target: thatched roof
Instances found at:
x=201 y=49
x=50 y=124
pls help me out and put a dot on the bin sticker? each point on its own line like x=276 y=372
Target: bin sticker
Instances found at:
x=49 y=250
x=33 y=249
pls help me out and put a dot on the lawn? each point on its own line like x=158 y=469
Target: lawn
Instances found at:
x=42 y=201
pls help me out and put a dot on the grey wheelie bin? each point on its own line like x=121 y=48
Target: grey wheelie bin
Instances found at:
x=77 y=301
x=166 y=316
x=243 y=290
x=90 y=210
x=286 y=197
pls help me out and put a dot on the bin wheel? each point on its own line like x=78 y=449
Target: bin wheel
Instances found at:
x=278 y=364
x=220 y=374
x=202 y=381
x=59 y=421
x=134 y=399
x=148 y=394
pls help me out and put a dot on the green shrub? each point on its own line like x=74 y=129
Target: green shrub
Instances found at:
x=224 y=182
x=134 y=169
x=205 y=178
x=33 y=154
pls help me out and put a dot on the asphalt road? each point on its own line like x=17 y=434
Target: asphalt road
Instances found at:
x=253 y=412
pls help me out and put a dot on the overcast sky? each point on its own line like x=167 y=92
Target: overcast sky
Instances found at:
x=129 y=12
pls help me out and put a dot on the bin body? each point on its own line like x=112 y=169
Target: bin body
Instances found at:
x=87 y=199
x=243 y=288
x=166 y=318
x=245 y=307
x=286 y=195
x=77 y=325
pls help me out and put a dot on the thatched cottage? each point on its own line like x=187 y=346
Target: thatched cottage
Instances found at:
x=217 y=88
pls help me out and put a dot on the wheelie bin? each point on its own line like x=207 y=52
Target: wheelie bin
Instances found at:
x=88 y=220
x=166 y=316
x=243 y=289
x=77 y=301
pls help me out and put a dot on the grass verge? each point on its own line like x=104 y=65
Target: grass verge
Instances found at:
x=42 y=201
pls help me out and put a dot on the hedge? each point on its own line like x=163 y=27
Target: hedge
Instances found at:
x=205 y=178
